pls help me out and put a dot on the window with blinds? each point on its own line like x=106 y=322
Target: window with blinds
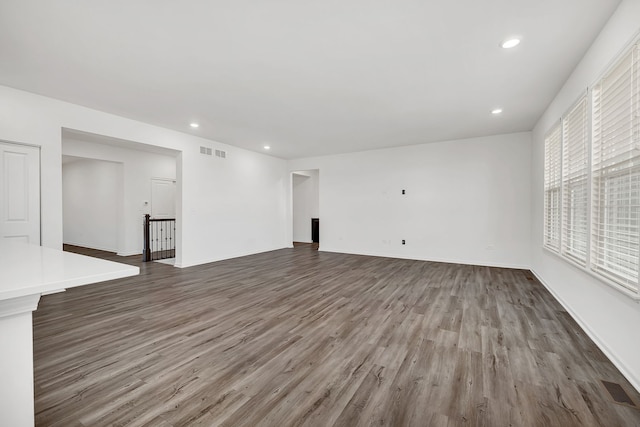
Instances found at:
x=592 y=178
x=575 y=180
x=552 y=186
x=615 y=228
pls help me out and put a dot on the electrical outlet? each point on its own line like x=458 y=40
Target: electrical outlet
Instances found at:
x=403 y=241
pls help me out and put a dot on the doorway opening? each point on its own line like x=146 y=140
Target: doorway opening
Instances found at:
x=160 y=225
x=118 y=182
x=305 y=190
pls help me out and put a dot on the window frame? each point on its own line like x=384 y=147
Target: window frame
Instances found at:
x=564 y=202
x=552 y=211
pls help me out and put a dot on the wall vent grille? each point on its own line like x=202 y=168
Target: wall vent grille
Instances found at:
x=205 y=150
x=222 y=154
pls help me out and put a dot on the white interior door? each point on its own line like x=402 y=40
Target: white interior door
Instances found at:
x=20 y=192
x=163 y=198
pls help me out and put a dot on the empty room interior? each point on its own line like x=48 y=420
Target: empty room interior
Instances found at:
x=338 y=213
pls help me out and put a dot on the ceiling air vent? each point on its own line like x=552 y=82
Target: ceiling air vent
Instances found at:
x=207 y=151
x=220 y=153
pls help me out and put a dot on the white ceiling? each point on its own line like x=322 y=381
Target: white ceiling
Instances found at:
x=306 y=78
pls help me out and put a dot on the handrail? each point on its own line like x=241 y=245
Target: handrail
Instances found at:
x=159 y=238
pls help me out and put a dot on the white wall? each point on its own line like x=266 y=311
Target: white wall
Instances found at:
x=92 y=194
x=226 y=208
x=466 y=201
x=608 y=316
x=306 y=200
x=138 y=169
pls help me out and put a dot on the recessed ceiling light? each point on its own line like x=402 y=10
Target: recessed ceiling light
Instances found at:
x=194 y=125
x=496 y=111
x=266 y=147
x=508 y=44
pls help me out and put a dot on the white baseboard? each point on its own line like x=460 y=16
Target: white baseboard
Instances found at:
x=91 y=246
x=226 y=257
x=100 y=248
x=57 y=291
x=444 y=260
x=129 y=253
x=635 y=382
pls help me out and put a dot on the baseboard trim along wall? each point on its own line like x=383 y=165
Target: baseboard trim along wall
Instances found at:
x=226 y=257
x=90 y=246
x=635 y=382
x=443 y=260
x=129 y=253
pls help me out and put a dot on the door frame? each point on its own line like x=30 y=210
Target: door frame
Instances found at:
x=290 y=219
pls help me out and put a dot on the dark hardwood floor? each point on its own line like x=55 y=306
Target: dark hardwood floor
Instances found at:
x=301 y=337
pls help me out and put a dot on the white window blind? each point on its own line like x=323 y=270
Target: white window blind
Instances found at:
x=552 y=182
x=575 y=179
x=615 y=232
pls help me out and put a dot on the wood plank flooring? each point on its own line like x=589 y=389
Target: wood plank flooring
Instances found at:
x=299 y=337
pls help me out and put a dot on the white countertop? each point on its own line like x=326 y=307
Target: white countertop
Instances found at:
x=29 y=269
